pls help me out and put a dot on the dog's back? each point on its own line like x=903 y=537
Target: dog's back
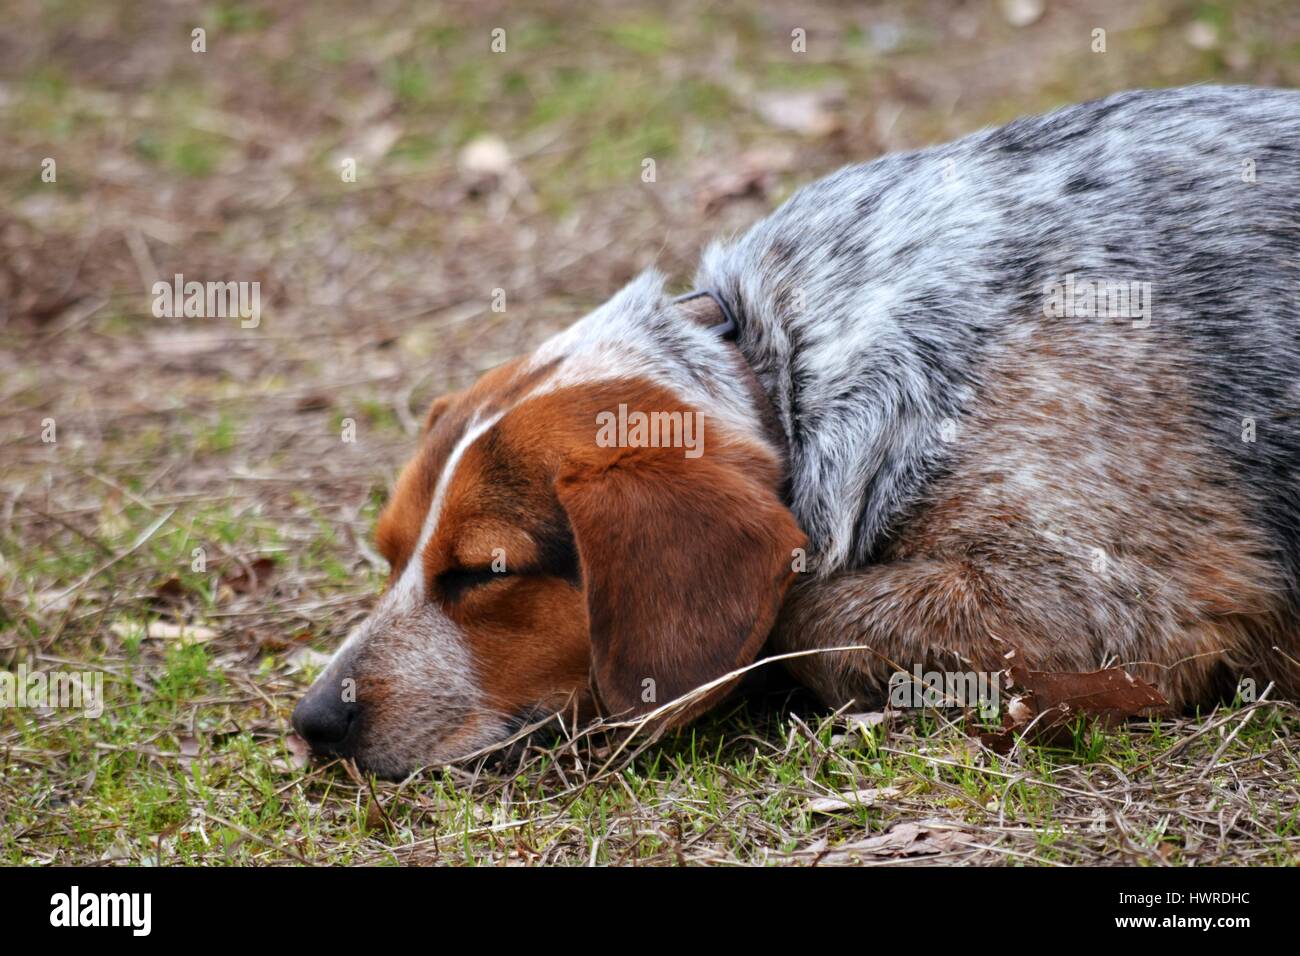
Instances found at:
x=1043 y=383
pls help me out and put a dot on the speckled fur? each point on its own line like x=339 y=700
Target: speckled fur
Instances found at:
x=967 y=465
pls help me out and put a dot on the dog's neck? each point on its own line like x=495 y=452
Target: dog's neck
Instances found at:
x=708 y=309
x=845 y=343
x=641 y=334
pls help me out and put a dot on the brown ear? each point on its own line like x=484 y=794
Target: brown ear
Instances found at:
x=436 y=409
x=685 y=562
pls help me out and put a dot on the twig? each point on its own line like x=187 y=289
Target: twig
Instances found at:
x=145 y=536
x=1232 y=736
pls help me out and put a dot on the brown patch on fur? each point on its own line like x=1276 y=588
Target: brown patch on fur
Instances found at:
x=437 y=408
x=702 y=310
x=398 y=529
x=530 y=643
x=376 y=689
x=1077 y=522
x=684 y=561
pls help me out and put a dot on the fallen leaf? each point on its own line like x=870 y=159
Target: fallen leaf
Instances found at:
x=816 y=848
x=169 y=593
x=1111 y=694
x=1021 y=13
x=1046 y=701
x=730 y=184
x=118 y=851
x=299 y=751
x=306 y=657
x=314 y=402
x=858 y=725
x=276 y=640
x=753 y=173
x=188 y=749
x=864 y=721
x=851 y=800
x=808 y=112
x=251 y=578
x=164 y=631
x=377 y=819
x=903 y=839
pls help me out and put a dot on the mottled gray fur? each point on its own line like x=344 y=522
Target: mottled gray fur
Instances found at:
x=881 y=306
x=915 y=267
x=979 y=461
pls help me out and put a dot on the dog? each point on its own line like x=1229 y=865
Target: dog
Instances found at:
x=1038 y=388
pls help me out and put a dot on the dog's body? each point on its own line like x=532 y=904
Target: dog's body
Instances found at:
x=974 y=448
x=1097 y=496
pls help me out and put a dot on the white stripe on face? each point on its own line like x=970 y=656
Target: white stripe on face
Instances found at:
x=407 y=595
x=409 y=589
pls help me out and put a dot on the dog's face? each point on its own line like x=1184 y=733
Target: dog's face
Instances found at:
x=545 y=556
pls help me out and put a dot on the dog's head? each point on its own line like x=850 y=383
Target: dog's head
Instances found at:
x=597 y=526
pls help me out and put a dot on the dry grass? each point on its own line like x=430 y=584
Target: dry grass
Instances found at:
x=376 y=296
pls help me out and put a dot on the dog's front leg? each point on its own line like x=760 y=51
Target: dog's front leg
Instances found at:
x=937 y=614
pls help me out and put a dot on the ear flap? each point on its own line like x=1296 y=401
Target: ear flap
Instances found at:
x=685 y=562
x=436 y=409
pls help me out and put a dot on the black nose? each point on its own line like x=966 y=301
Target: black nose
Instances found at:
x=324 y=719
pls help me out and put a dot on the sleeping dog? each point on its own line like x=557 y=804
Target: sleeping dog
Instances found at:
x=1038 y=388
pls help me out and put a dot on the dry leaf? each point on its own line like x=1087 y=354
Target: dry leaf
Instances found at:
x=314 y=402
x=903 y=839
x=187 y=749
x=165 y=631
x=1047 y=701
x=305 y=657
x=377 y=819
x=1021 y=13
x=118 y=851
x=169 y=593
x=808 y=112
x=299 y=751
x=298 y=756
x=858 y=724
x=751 y=174
x=1111 y=694
x=251 y=578
x=864 y=721
x=851 y=800
x=816 y=848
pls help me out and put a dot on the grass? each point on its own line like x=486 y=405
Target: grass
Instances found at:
x=195 y=769
x=375 y=295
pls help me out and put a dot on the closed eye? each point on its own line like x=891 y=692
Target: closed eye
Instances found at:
x=456 y=581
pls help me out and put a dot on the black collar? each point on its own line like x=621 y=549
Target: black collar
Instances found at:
x=727 y=329
x=768 y=419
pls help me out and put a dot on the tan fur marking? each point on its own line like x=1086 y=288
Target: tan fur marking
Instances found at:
x=1053 y=532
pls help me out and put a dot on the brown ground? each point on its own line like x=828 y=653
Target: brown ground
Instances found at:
x=477 y=171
